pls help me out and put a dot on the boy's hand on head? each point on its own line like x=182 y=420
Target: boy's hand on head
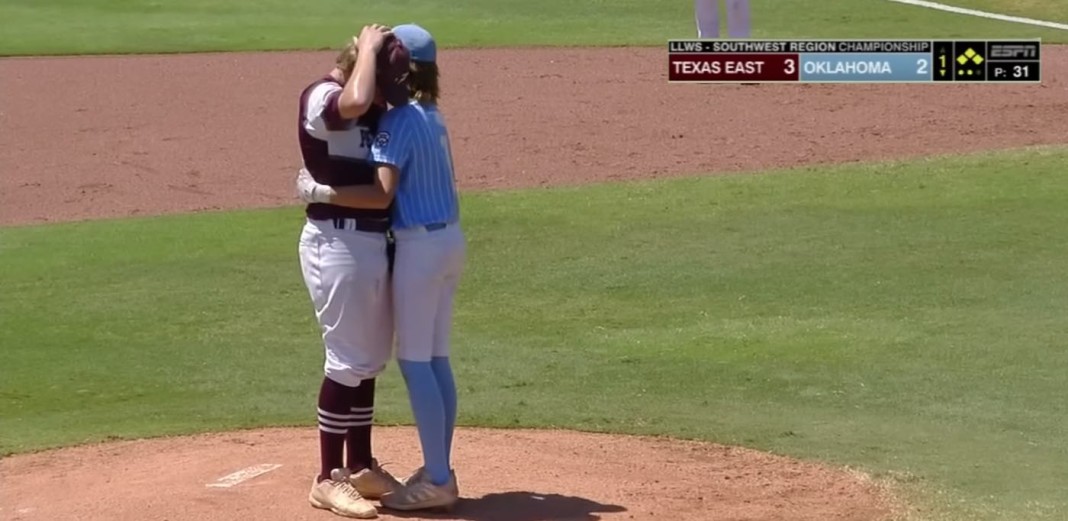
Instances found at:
x=372 y=37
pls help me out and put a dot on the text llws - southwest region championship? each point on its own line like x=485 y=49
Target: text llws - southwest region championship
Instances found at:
x=862 y=61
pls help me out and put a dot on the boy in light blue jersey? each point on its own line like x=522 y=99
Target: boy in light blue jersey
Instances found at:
x=415 y=172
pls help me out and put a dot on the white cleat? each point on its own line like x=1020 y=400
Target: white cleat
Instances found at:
x=418 y=493
x=375 y=482
x=338 y=496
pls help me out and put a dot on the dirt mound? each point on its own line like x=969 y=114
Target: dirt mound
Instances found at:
x=512 y=475
x=135 y=135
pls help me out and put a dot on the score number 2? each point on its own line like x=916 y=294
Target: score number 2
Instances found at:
x=921 y=66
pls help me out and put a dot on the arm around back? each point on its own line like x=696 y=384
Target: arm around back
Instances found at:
x=389 y=151
x=377 y=196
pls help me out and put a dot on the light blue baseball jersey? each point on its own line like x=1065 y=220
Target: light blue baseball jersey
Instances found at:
x=414 y=139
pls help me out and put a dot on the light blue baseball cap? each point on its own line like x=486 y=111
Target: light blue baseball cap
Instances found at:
x=420 y=44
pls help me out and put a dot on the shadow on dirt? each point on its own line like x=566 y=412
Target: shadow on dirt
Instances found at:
x=519 y=506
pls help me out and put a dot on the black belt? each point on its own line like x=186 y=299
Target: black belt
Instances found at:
x=362 y=225
x=373 y=226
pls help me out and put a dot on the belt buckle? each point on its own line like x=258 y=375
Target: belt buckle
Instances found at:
x=433 y=227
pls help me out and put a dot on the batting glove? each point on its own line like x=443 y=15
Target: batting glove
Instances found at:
x=310 y=191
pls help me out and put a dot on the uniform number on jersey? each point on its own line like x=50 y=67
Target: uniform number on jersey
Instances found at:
x=445 y=143
x=448 y=154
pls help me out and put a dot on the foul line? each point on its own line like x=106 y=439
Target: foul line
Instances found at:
x=242 y=475
x=983 y=14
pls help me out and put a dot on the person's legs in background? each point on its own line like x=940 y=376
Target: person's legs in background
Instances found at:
x=706 y=13
x=738 y=19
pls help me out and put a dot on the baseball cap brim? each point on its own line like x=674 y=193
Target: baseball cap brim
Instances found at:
x=392 y=74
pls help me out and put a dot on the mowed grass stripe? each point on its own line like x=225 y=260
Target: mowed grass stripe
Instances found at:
x=907 y=319
x=33 y=27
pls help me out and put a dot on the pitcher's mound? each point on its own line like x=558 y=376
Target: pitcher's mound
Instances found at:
x=503 y=474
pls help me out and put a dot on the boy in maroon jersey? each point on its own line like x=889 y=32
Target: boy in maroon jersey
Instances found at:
x=344 y=261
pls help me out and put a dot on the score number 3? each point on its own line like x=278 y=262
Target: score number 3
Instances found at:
x=791 y=67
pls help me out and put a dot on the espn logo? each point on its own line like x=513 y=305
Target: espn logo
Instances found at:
x=1026 y=51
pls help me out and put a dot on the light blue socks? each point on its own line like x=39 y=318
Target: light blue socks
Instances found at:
x=428 y=407
x=447 y=386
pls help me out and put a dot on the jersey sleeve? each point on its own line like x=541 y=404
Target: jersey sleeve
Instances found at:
x=393 y=143
x=321 y=110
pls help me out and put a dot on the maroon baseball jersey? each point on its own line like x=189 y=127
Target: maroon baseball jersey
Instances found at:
x=336 y=150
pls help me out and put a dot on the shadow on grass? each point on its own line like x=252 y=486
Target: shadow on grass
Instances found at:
x=519 y=506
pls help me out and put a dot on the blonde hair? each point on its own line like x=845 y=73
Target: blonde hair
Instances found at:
x=346 y=59
x=423 y=82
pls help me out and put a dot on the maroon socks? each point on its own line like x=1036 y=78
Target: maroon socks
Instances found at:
x=333 y=425
x=345 y=418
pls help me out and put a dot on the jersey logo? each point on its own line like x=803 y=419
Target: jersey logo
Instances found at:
x=366 y=138
x=353 y=144
x=382 y=139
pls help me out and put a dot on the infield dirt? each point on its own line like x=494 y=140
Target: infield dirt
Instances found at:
x=93 y=137
x=503 y=475
x=99 y=137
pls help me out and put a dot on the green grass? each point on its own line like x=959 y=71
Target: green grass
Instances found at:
x=1048 y=10
x=133 y=26
x=907 y=319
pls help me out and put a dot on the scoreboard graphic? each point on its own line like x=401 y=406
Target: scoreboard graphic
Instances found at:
x=855 y=61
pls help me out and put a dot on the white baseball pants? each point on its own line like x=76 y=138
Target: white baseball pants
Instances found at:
x=426 y=274
x=347 y=275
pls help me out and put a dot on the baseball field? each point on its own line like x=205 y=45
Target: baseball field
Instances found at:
x=682 y=302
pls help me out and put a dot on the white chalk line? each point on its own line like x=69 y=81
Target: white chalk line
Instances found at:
x=983 y=14
x=243 y=475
